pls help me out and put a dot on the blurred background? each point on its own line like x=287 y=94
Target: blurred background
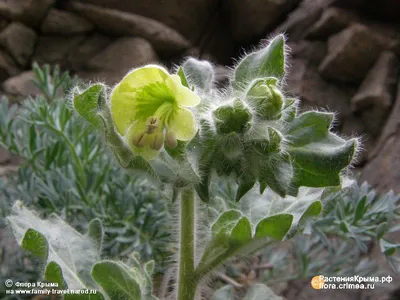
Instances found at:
x=344 y=55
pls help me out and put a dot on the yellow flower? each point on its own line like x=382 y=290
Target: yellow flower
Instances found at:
x=150 y=107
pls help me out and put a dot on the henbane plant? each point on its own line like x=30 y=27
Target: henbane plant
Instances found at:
x=180 y=132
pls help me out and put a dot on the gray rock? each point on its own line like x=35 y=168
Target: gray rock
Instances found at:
x=189 y=17
x=28 y=12
x=311 y=51
x=302 y=18
x=375 y=96
x=111 y=21
x=19 y=41
x=250 y=19
x=7 y=66
x=305 y=81
x=55 y=49
x=332 y=21
x=87 y=50
x=5 y=156
x=117 y=59
x=351 y=53
x=3 y=24
x=391 y=128
x=383 y=171
x=64 y=23
x=22 y=84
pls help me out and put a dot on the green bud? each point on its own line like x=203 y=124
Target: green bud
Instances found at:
x=231 y=146
x=272 y=143
x=232 y=118
x=266 y=98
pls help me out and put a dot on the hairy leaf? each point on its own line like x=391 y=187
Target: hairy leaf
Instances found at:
x=267 y=62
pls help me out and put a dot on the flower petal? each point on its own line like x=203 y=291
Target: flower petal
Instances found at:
x=123 y=96
x=144 y=151
x=141 y=77
x=183 y=96
x=183 y=124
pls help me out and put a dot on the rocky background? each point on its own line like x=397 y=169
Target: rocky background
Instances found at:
x=344 y=54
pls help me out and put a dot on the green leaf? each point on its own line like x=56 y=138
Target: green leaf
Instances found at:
x=95 y=232
x=245 y=185
x=226 y=222
x=241 y=233
x=277 y=173
x=261 y=292
x=117 y=282
x=319 y=156
x=73 y=252
x=360 y=209
x=182 y=75
x=198 y=73
x=53 y=273
x=224 y=293
x=267 y=62
x=90 y=102
x=275 y=226
x=381 y=230
x=313 y=210
x=36 y=243
x=387 y=247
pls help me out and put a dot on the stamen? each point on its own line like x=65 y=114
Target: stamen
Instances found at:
x=139 y=139
x=152 y=124
x=157 y=141
x=170 y=140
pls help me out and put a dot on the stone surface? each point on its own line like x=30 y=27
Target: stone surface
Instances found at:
x=7 y=66
x=64 y=23
x=55 y=49
x=87 y=50
x=302 y=18
x=19 y=41
x=375 y=96
x=305 y=81
x=383 y=170
x=29 y=12
x=251 y=19
x=332 y=21
x=392 y=126
x=117 y=59
x=189 y=17
x=351 y=53
x=5 y=156
x=311 y=51
x=21 y=84
x=3 y=24
x=111 y=21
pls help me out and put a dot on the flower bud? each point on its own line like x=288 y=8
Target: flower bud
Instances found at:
x=232 y=118
x=266 y=98
x=170 y=140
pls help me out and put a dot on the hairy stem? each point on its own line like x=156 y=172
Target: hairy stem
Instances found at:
x=186 y=282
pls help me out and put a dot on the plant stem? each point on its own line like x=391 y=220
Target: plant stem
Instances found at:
x=186 y=282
